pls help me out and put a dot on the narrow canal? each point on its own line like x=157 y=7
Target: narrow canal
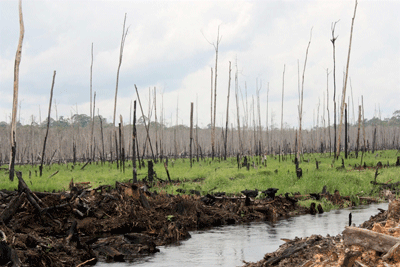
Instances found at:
x=230 y=245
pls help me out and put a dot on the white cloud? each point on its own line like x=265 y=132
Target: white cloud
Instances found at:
x=165 y=47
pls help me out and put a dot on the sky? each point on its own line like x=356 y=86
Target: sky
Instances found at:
x=169 y=46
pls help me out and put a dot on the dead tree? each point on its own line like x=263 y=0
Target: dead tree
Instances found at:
x=237 y=109
x=91 y=68
x=133 y=143
x=213 y=118
x=191 y=132
x=358 y=131
x=227 y=112
x=15 y=94
x=345 y=131
x=345 y=82
x=299 y=151
x=91 y=135
x=121 y=50
x=283 y=89
x=334 y=81
x=145 y=125
x=327 y=107
x=48 y=125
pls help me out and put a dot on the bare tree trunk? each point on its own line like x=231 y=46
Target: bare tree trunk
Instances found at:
x=345 y=81
x=91 y=136
x=91 y=67
x=48 y=125
x=334 y=82
x=121 y=50
x=197 y=130
x=215 y=88
x=327 y=107
x=227 y=112
x=345 y=131
x=134 y=172
x=211 y=105
x=15 y=94
x=358 y=131
x=260 y=138
x=191 y=132
x=122 y=144
x=155 y=114
x=237 y=110
x=102 y=136
x=299 y=151
x=283 y=89
x=267 y=121
x=145 y=125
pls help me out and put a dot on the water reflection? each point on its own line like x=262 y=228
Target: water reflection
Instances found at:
x=230 y=245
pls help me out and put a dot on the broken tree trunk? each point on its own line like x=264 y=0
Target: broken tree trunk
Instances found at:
x=369 y=239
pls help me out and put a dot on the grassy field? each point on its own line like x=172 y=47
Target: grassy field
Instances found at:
x=207 y=176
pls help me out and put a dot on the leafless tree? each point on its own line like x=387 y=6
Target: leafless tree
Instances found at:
x=345 y=81
x=15 y=94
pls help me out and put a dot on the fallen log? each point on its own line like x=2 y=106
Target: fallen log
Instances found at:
x=369 y=239
x=71 y=232
x=86 y=164
x=12 y=207
x=111 y=254
x=23 y=187
x=286 y=254
x=393 y=253
x=52 y=174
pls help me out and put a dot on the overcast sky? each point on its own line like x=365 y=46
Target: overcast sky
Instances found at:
x=168 y=47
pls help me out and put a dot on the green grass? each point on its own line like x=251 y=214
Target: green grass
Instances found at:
x=207 y=176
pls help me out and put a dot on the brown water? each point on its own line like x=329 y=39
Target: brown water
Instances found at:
x=230 y=245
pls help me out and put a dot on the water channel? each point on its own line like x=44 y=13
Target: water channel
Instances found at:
x=230 y=245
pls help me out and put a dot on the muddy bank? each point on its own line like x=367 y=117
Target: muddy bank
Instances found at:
x=84 y=226
x=373 y=243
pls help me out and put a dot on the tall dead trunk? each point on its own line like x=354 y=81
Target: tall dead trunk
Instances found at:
x=191 y=132
x=134 y=172
x=283 y=90
x=358 y=131
x=237 y=109
x=48 y=125
x=102 y=137
x=155 y=118
x=345 y=81
x=227 y=112
x=121 y=50
x=145 y=125
x=15 y=93
x=91 y=135
x=91 y=68
x=299 y=151
x=211 y=114
x=334 y=82
x=215 y=90
x=345 y=131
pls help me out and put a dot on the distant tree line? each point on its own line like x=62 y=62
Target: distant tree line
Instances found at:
x=83 y=120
